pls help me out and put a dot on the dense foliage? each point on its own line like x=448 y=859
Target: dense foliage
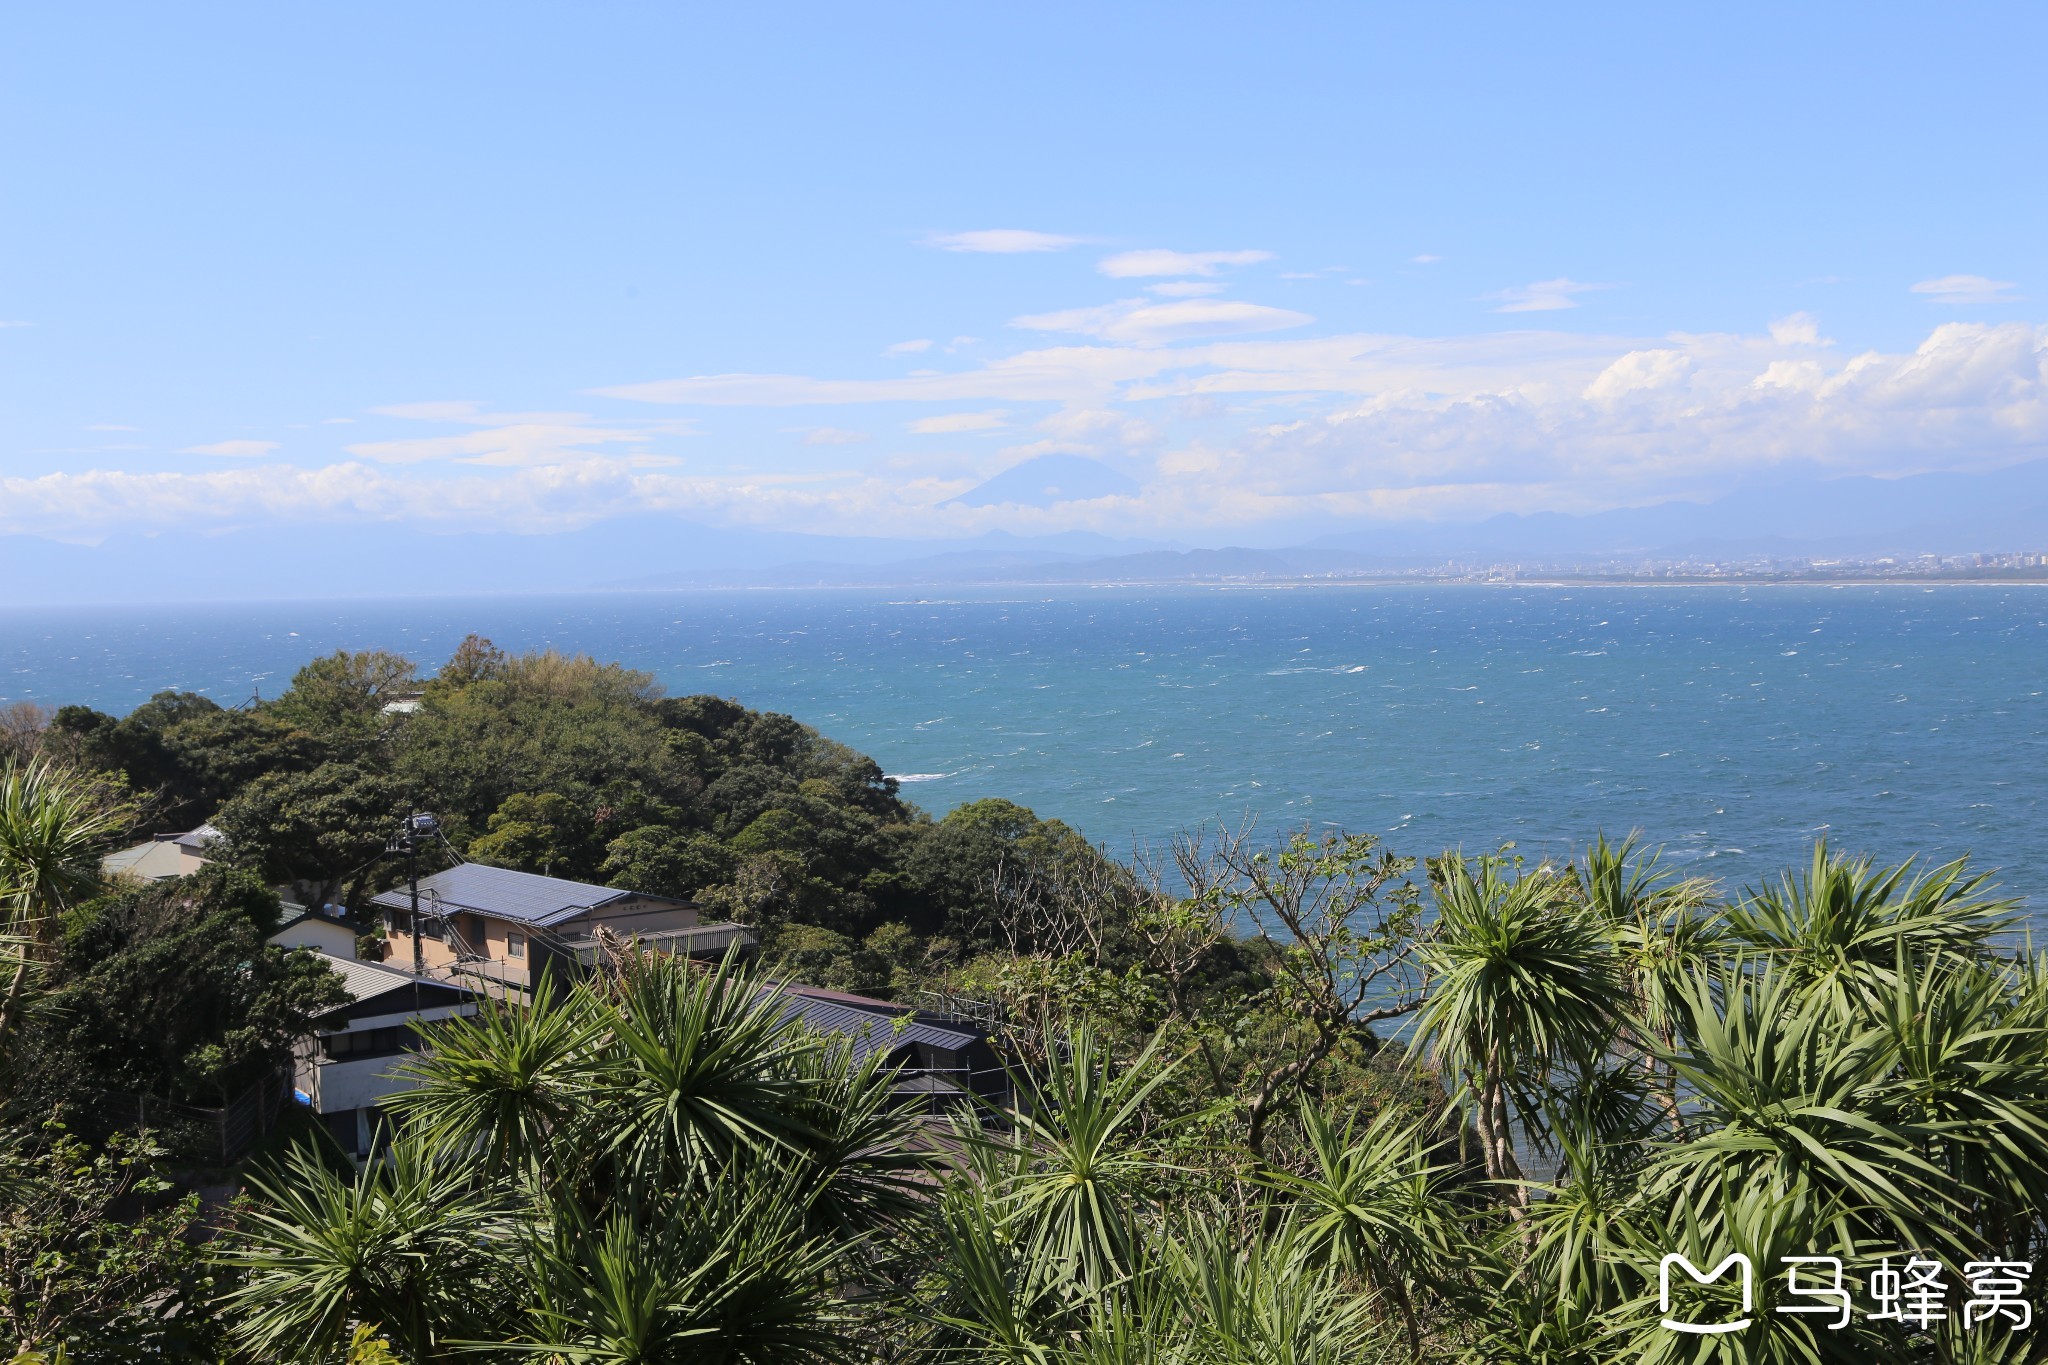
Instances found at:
x=1282 y=1099
x=558 y=764
x=166 y=991
x=1603 y=1065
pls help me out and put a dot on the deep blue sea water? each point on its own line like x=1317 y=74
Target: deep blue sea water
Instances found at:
x=1731 y=724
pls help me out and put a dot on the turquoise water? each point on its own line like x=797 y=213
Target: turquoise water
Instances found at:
x=1731 y=724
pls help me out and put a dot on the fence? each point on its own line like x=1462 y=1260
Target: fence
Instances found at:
x=224 y=1134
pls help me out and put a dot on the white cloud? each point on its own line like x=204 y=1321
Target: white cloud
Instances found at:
x=910 y=347
x=1236 y=431
x=1965 y=289
x=831 y=436
x=1145 y=323
x=5 y=324
x=1544 y=296
x=1133 y=264
x=241 y=450
x=1425 y=259
x=523 y=439
x=1001 y=241
x=1797 y=329
x=1638 y=372
x=1059 y=374
x=953 y=422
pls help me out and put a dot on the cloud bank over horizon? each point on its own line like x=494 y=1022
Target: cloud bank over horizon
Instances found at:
x=1332 y=271
x=1227 y=416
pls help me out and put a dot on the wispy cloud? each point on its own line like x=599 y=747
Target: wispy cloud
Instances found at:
x=1544 y=296
x=1137 y=264
x=240 y=450
x=1966 y=289
x=518 y=439
x=831 y=436
x=1146 y=323
x=1424 y=259
x=953 y=422
x=910 y=347
x=1001 y=241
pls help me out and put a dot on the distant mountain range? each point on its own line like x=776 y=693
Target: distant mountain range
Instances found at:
x=2004 y=510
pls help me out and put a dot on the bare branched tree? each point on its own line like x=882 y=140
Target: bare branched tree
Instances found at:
x=1347 y=928
x=1057 y=906
x=22 y=724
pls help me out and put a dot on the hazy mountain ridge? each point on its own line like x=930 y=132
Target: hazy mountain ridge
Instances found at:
x=1999 y=511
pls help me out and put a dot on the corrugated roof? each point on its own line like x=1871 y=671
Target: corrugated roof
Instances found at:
x=153 y=862
x=504 y=894
x=869 y=1031
x=367 y=980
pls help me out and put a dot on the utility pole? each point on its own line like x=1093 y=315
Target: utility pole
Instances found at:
x=406 y=843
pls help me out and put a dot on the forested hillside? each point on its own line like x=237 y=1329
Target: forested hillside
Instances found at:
x=562 y=765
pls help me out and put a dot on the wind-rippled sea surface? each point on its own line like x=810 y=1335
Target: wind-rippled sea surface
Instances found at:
x=1733 y=725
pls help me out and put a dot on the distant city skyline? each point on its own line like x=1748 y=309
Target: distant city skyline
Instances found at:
x=1237 y=276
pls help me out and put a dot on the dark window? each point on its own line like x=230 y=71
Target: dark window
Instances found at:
x=341 y=1126
x=371 y=1042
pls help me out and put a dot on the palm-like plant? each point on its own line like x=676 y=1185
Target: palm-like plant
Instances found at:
x=729 y=1278
x=1088 y=1177
x=1785 y=1103
x=707 y=1075
x=1972 y=1064
x=1263 y=1300
x=1838 y=929
x=865 y=1168
x=1661 y=927
x=512 y=1084
x=1370 y=1204
x=671 y=1165
x=53 y=823
x=409 y=1247
x=1524 y=982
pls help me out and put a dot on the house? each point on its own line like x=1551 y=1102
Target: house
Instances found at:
x=350 y=1065
x=495 y=924
x=163 y=856
x=323 y=933
x=945 y=1060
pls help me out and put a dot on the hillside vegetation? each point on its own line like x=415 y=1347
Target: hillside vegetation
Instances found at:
x=1286 y=1098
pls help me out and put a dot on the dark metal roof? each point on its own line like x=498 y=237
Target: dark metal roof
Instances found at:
x=870 y=1031
x=502 y=893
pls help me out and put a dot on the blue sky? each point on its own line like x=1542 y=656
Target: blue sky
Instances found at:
x=826 y=268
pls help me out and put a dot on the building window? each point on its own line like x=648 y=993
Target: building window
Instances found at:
x=515 y=945
x=370 y=1042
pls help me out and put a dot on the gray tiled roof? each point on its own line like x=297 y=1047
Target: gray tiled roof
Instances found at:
x=504 y=894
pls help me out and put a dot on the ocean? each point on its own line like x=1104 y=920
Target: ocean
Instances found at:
x=1731 y=724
